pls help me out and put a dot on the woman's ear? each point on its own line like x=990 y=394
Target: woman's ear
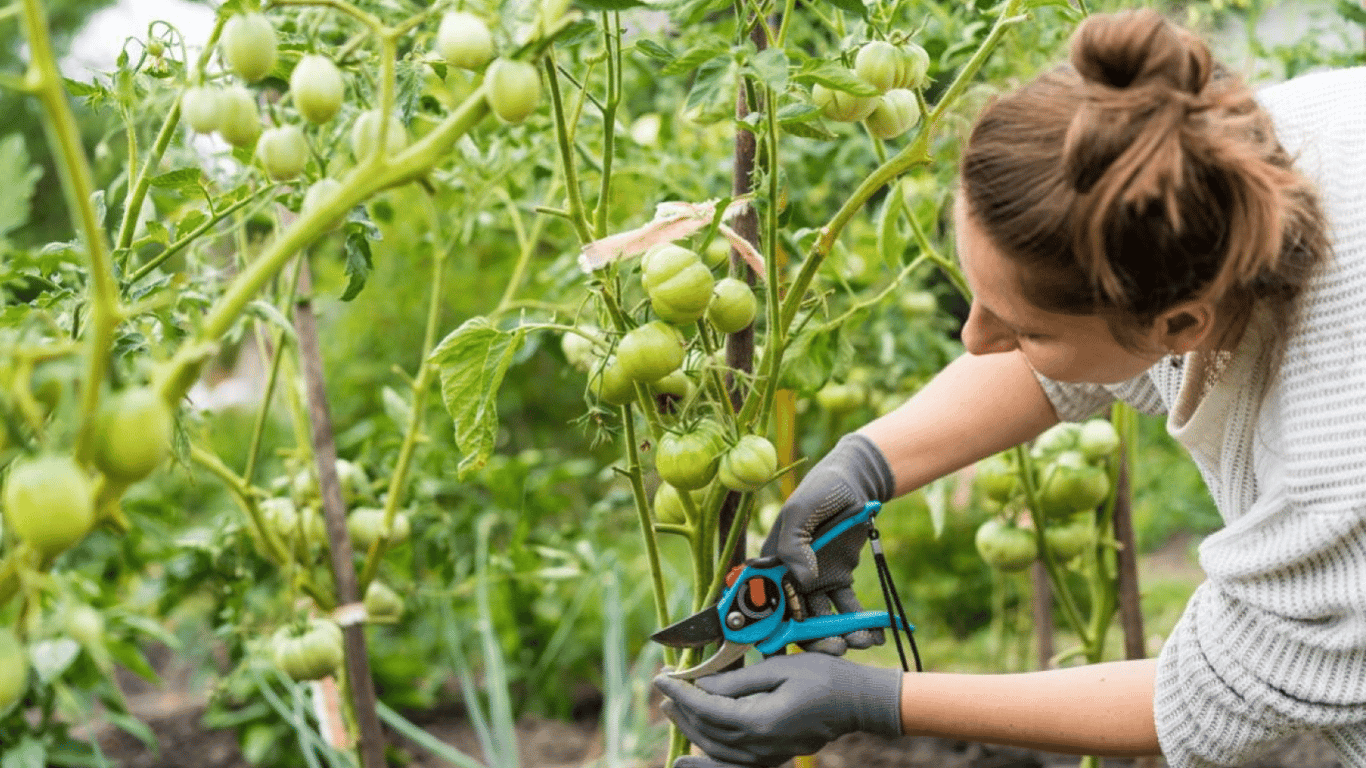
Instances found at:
x=1186 y=326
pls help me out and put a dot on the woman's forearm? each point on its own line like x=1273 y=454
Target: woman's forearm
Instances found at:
x=978 y=405
x=1098 y=709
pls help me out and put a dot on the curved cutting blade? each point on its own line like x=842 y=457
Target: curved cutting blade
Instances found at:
x=729 y=654
x=695 y=631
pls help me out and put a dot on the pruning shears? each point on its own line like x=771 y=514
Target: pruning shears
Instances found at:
x=760 y=609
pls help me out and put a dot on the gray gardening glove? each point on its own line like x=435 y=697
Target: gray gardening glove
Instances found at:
x=853 y=473
x=764 y=714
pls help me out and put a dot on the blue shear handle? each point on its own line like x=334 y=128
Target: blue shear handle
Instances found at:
x=827 y=626
x=859 y=518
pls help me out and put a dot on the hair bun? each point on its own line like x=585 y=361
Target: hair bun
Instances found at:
x=1140 y=48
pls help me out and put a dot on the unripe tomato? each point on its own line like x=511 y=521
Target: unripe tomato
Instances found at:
x=464 y=40
x=13 y=669
x=651 y=351
x=733 y=305
x=749 y=464
x=897 y=112
x=997 y=479
x=842 y=106
x=365 y=135
x=382 y=603
x=689 y=461
x=283 y=152
x=318 y=193
x=317 y=87
x=200 y=106
x=366 y=526
x=1056 y=439
x=1070 y=538
x=136 y=428
x=238 y=121
x=311 y=654
x=85 y=625
x=248 y=45
x=678 y=283
x=915 y=66
x=1005 y=547
x=669 y=507
x=841 y=397
x=1097 y=439
x=917 y=302
x=878 y=63
x=300 y=528
x=1069 y=484
x=514 y=89
x=611 y=384
x=49 y=503
x=676 y=384
x=578 y=348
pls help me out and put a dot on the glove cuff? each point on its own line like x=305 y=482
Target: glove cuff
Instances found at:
x=879 y=707
x=869 y=465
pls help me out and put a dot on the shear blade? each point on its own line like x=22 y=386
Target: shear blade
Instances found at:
x=695 y=631
x=728 y=654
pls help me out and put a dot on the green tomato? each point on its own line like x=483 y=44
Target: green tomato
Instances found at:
x=877 y=63
x=283 y=152
x=320 y=193
x=997 y=479
x=669 y=507
x=716 y=253
x=365 y=525
x=1097 y=439
x=915 y=67
x=317 y=87
x=248 y=45
x=13 y=669
x=1068 y=539
x=897 y=112
x=842 y=106
x=49 y=503
x=312 y=654
x=678 y=283
x=1060 y=437
x=579 y=348
x=917 y=303
x=611 y=384
x=238 y=121
x=514 y=89
x=136 y=428
x=749 y=464
x=1005 y=547
x=201 y=107
x=651 y=351
x=464 y=40
x=365 y=135
x=733 y=305
x=382 y=603
x=689 y=461
x=1070 y=484
x=85 y=625
x=300 y=528
x=841 y=397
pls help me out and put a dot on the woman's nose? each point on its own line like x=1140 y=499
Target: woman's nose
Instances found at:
x=983 y=334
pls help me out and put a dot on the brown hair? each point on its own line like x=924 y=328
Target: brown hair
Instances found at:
x=1141 y=176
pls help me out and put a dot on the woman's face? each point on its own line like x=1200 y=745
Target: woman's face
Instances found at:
x=1070 y=348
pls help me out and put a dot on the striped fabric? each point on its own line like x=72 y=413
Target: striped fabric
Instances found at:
x=1274 y=641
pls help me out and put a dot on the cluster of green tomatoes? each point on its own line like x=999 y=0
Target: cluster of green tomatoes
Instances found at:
x=655 y=359
x=1070 y=478
x=894 y=72
x=249 y=48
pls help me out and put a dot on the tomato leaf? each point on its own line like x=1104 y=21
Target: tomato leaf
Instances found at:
x=654 y=50
x=472 y=362
x=21 y=177
x=832 y=75
x=187 y=181
x=359 y=263
x=851 y=7
x=812 y=357
x=1352 y=12
x=694 y=58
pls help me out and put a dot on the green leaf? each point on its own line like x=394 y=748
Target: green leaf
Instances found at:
x=770 y=66
x=805 y=130
x=359 y=264
x=396 y=407
x=851 y=7
x=472 y=362
x=836 y=76
x=187 y=181
x=891 y=241
x=812 y=357
x=18 y=190
x=694 y=59
x=1352 y=12
x=272 y=315
x=654 y=50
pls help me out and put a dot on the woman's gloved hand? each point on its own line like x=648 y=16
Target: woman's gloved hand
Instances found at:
x=852 y=474
x=764 y=714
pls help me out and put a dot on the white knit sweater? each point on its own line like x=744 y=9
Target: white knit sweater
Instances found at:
x=1274 y=641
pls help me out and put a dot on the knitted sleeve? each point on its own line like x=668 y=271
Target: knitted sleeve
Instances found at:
x=1274 y=642
x=1078 y=402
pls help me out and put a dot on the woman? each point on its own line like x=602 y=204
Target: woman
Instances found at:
x=1133 y=228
